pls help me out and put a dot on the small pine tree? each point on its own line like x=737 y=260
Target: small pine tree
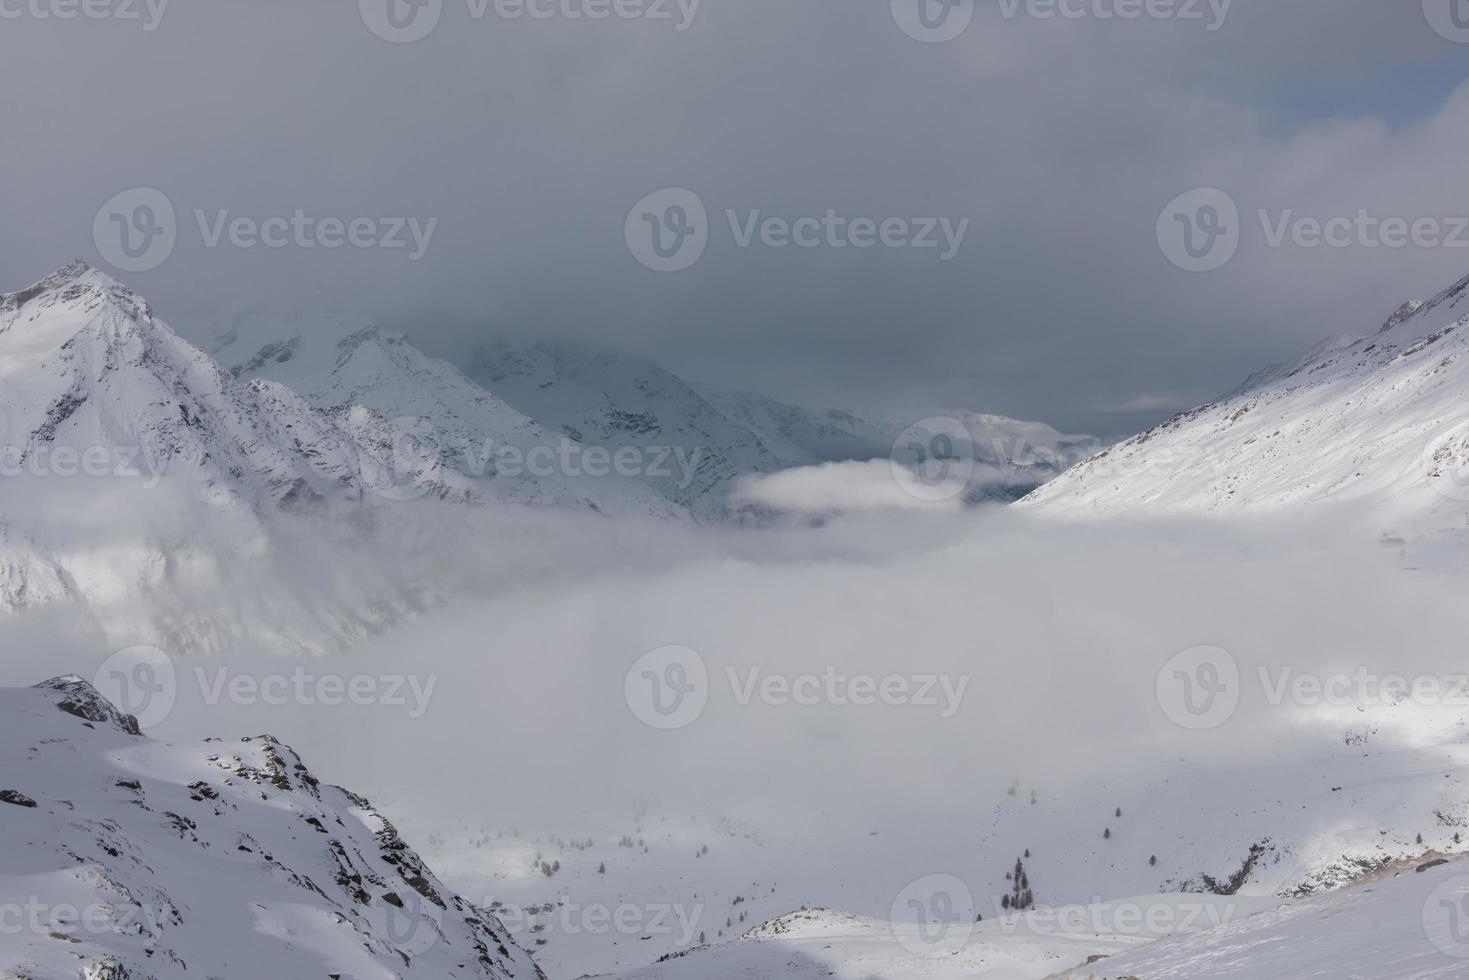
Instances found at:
x=602 y=868
x=1119 y=811
x=1107 y=834
x=1420 y=838
x=1027 y=852
x=701 y=939
x=1153 y=861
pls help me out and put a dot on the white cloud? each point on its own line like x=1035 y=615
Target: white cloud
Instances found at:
x=852 y=487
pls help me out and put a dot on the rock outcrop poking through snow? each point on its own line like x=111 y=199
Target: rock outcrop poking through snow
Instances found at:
x=132 y=858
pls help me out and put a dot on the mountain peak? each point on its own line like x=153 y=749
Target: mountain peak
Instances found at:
x=77 y=282
x=87 y=703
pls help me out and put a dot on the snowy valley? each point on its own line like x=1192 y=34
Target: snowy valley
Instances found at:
x=936 y=826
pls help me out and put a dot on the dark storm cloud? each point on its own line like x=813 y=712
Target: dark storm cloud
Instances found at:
x=527 y=140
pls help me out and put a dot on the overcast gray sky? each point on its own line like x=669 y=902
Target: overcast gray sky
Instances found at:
x=529 y=140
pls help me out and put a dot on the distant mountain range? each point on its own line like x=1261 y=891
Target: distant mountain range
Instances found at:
x=142 y=478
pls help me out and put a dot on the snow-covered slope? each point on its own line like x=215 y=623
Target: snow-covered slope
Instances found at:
x=1403 y=924
x=29 y=578
x=1407 y=923
x=128 y=859
x=820 y=944
x=688 y=451
x=1381 y=421
x=337 y=362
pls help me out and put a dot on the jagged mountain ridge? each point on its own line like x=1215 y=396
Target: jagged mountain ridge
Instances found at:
x=337 y=362
x=141 y=481
x=87 y=367
x=600 y=397
x=1380 y=421
x=134 y=859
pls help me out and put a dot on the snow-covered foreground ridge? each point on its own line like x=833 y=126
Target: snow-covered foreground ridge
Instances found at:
x=1409 y=922
x=1381 y=421
x=127 y=859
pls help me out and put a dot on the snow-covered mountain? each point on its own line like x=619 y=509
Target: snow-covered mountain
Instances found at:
x=799 y=437
x=686 y=448
x=129 y=859
x=614 y=433
x=1380 y=421
x=91 y=381
x=337 y=362
x=1032 y=451
x=142 y=480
